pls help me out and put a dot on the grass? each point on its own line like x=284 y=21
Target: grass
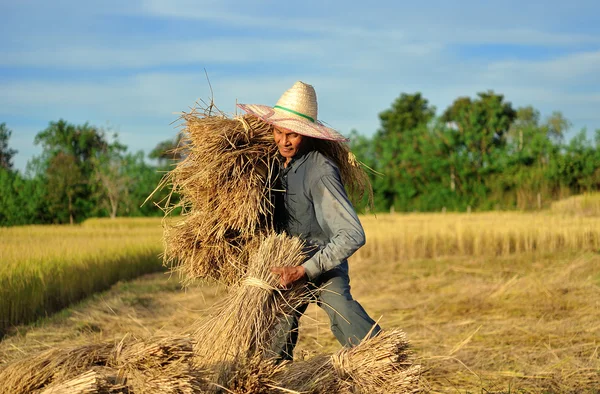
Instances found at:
x=587 y=204
x=506 y=324
x=421 y=236
x=45 y=268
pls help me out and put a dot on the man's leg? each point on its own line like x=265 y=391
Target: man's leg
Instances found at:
x=349 y=322
x=286 y=335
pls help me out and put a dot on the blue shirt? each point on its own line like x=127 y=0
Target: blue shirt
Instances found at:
x=315 y=207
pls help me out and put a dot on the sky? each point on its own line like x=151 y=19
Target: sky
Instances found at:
x=130 y=66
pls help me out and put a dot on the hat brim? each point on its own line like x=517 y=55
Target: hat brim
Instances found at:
x=292 y=123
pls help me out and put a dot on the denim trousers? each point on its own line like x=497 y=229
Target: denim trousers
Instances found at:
x=348 y=320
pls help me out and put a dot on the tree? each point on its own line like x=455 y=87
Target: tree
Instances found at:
x=79 y=146
x=22 y=200
x=6 y=154
x=168 y=151
x=396 y=145
x=146 y=178
x=66 y=181
x=482 y=124
x=477 y=133
x=408 y=112
x=110 y=175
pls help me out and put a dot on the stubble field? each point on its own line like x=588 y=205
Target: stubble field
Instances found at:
x=497 y=302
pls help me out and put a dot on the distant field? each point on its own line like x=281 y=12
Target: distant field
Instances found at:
x=587 y=204
x=45 y=268
x=432 y=235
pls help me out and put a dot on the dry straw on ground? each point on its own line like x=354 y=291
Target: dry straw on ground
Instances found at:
x=156 y=365
x=382 y=364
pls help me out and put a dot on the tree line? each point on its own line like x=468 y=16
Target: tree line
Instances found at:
x=479 y=154
x=82 y=172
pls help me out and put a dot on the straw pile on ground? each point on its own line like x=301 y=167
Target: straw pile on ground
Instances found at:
x=155 y=365
x=225 y=233
x=381 y=364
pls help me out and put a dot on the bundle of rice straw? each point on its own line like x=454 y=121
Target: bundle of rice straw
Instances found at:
x=158 y=365
x=253 y=375
x=381 y=364
x=56 y=365
x=245 y=321
x=224 y=183
x=96 y=380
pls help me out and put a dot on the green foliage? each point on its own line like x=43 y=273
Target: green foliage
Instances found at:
x=479 y=154
x=22 y=200
x=168 y=151
x=6 y=154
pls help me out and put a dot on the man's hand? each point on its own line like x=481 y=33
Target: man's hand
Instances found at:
x=288 y=275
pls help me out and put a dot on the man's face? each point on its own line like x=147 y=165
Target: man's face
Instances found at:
x=288 y=142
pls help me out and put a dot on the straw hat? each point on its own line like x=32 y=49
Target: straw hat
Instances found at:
x=295 y=111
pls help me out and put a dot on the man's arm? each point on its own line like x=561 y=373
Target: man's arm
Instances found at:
x=337 y=218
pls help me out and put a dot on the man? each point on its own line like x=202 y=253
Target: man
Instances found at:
x=314 y=206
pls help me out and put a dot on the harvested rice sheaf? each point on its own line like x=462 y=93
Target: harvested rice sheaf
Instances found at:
x=224 y=183
x=381 y=364
x=56 y=365
x=156 y=365
x=244 y=322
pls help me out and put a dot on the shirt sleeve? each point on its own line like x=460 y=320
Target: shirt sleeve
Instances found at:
x=337 y=218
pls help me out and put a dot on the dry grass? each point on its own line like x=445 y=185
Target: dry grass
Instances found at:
x=381 y=364
x=157 y=365
x=419 y=236
x=587 y=204
x=526 y=324
x=516 y=324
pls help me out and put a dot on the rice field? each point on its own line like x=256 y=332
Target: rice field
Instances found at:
x=45 y=268
x=587 y=204
x=434 y=235
x=491 y=302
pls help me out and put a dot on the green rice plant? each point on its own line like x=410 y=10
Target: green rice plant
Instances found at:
x=45 y=268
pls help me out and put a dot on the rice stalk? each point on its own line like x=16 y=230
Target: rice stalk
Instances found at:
x=36 y=372
x=96 y=380
x=156 y=365
x=246 y=320
x=381 y=364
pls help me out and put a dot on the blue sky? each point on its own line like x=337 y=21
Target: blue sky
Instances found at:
x=130 y=65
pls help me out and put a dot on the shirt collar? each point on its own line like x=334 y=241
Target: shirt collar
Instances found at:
x=296 y=161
